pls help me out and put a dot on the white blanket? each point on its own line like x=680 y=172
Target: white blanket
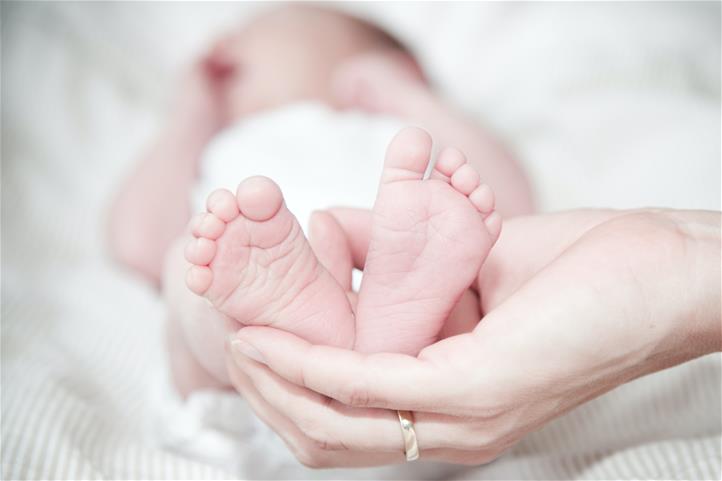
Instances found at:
x=318 y=156
x=607 y=105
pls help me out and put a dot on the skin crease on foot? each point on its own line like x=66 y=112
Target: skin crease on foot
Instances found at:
x=252 y=262
x=289 y=54
x=284 y=55
x=429 y=238
x=614 y=296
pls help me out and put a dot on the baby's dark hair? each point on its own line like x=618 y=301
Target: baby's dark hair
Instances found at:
x=378 y=35
x=384 y=37
x=385 y=40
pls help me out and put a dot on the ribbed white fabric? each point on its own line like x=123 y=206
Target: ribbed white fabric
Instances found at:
x=608 y=105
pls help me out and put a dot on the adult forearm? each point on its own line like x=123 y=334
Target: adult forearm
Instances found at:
x=683 y=296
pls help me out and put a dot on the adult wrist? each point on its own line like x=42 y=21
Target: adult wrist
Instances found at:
x=700 y=318
x=708 y=266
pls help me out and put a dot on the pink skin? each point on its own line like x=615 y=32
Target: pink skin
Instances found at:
x=340 y=239
x=150 y=210
x=228 y=83
x=615 y=295
x=388 y=84
x=328 y=241
x=252 y=262
x=196 y=328
x=429 y=239
x=282 y=57
x=290 y=54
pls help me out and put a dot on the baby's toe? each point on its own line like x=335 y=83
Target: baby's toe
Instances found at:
x=493 y=225
x=259 y=198
x=199 y=278
x=200 y=251
x=223 y=205
x=465 y=179
x=449 y=161
x=194 y=223
x=483 y=198
x=208 y=225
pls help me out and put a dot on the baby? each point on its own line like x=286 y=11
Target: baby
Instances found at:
x=246 y=261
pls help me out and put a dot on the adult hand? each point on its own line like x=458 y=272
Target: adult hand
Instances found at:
x=632 y=295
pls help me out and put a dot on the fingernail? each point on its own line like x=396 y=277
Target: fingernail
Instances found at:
x=247 y=350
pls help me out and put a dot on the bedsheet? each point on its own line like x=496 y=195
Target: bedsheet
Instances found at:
x=609 y=105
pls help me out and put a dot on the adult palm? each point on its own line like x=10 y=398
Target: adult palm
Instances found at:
x=575 y=305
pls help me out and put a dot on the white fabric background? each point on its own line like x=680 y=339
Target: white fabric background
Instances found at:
x=318 y=156
x=607 y=105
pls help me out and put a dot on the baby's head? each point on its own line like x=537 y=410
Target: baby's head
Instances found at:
x=292 y=53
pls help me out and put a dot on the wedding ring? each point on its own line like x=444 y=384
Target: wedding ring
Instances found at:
x=411 y=445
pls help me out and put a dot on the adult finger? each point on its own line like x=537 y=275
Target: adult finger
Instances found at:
x=291 y=436
x=323 y=454
x=324 y=420
x=336 y=426
x=308 y=452
x=330 y=244
x=356 y=223
x=393 y=381
x=464 y=317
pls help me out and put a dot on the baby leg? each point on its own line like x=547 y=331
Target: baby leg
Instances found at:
x=378 y=83
x=196 y=331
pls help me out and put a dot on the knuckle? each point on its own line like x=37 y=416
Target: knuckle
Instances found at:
x=480 y=437
x=319 y=436
x=357 y=395
x=359 y=398
x=498 y=435
x=309 y=458
x=322 y=441
x=325 y=441
x=305 y=424
x=325 y=444
x=649 y=231
x=479 y=434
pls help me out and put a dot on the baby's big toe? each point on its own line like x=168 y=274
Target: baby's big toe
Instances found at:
x=259 y=198
x=407 y=156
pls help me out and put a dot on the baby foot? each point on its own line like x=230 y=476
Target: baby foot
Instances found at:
x=252 y=262
x=429 y=239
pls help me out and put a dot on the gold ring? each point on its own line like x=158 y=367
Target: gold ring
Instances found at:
x=411 y=445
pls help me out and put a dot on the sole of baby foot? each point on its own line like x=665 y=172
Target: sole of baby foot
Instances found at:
x=429 y=238
x=251 y=260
